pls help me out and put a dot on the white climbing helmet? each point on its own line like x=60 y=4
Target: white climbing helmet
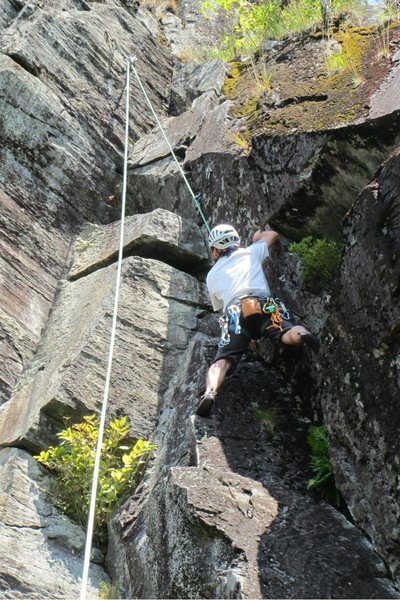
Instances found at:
x=223 y=237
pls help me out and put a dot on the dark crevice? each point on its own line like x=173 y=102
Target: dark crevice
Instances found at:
x=23 y=62
x=300 y=100
x=161 y=251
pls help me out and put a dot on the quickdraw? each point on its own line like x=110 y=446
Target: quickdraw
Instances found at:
x=284 y=311
x=272 y=308
x=230 y=321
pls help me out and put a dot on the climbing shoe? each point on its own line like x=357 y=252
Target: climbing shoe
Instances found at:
x=311 y=340
x=205 y=405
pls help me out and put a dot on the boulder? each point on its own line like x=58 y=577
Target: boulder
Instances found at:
x=41 y=549
x=190 y=81
x=160 y=235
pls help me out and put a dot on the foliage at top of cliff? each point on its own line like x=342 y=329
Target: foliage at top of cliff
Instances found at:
x=253 y=21
x=297 y=67
x=312 y=81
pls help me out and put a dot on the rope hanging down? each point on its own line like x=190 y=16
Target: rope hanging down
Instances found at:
x=195 y=197
x=196 y=200
x=92 y=509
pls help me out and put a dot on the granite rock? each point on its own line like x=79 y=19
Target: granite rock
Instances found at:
x=226 y=506
x=359 y=373
x=41 y=549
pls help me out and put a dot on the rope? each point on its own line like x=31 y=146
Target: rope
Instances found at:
x=91 y=518
x=195 y=198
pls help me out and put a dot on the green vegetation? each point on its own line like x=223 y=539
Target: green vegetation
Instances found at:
x=349 y=58
x=324 y=478
x=73 y=461
x=268 y=419
x=108 y=592
x=242 y=141
x=253 y=21
x=319 y=258
x=336 y=62
x=250 y=23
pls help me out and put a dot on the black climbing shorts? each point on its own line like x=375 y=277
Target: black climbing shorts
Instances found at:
x=239 y=342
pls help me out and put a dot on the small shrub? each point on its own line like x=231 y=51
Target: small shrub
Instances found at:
x=268 y=419
x=108 y=592
x=299 y=15
x=324 y=478
x=319 y=258
x=73 y=461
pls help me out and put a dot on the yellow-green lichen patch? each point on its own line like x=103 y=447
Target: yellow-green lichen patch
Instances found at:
x=231 y=87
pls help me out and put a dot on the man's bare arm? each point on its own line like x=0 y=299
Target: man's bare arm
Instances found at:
x=269 y=237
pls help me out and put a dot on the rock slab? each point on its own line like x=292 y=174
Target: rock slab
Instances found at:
x=41 y=549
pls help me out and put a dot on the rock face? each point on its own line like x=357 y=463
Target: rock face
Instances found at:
x=61 y=127
x=224 y=509
x=227 y=508
x=301 y=165
x=360 y=371
x=41 y=549
x=157 y=312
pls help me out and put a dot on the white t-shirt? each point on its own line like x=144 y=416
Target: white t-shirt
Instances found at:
x=239 y=274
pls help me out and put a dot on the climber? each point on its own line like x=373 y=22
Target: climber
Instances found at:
x=237 y=285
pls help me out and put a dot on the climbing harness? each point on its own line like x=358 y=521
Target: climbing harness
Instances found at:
x=273 y=309
x=92 y=508
x=248 y=307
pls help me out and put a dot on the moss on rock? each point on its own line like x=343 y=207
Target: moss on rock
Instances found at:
x=307 y=95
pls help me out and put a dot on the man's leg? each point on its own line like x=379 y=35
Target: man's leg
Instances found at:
x=216 y=375
x=292 y=337
x=299 y=336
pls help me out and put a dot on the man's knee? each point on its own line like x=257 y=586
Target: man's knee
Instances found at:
x=222 y=364
x=292 y=336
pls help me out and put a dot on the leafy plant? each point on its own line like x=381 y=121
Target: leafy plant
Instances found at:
x=268 y=419
x=108 y=592
x=320 y=258
x=73 y=462
x=250 y=22
x=336 y=62
x=324 y=478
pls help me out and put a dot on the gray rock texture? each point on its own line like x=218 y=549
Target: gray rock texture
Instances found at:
x=188 y=32
x=41 y=549
x=224 y=509
x=360 y=373
x=227 y=507
x=61 y=126
x=192 y=80
x=158 y=308
x=160 y=235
